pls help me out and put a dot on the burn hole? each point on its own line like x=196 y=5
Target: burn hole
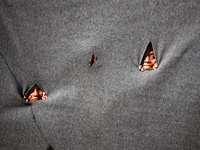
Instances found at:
x=93 y=59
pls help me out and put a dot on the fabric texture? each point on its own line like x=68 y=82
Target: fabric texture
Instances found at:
x=110 y=105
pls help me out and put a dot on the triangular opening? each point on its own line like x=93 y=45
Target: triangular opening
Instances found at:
x=35 y=93
x=148 y=61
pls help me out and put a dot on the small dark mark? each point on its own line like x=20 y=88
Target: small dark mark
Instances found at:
x=49 y=147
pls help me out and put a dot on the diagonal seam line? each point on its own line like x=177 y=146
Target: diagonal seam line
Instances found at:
x=50 y=147
x=17 y=82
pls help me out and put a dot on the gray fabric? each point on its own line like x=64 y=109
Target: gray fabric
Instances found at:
x=111 y=105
